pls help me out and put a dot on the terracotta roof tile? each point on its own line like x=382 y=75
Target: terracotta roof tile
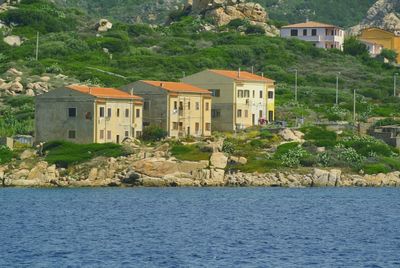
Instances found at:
x=310 y=24
x=244 y=76
x=176 y=87
x=110 y=93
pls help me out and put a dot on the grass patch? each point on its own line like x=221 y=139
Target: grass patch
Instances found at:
x=6 y=155
x=64 y=154
x=376 y=168
x=260 y=166
x=189 y=153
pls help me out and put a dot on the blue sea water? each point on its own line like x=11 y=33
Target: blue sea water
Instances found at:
x=207 y=227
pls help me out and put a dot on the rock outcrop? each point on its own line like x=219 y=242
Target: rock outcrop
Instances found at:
x=384 y=14
x=13 y=40
x=222 y=12
x=103 y=25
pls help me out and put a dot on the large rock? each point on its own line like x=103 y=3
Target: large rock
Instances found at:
x=291 y=135
x=322 y=178
x=13 y=40
x=29 y=153
x=219 y=160
x=104 y=25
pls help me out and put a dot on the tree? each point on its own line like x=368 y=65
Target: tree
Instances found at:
x=354 y=47
x=389 y=54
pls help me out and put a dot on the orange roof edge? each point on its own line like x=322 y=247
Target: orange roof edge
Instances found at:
x=100 y=92
x=311 y=24
x=176 y=86
x=243 y=76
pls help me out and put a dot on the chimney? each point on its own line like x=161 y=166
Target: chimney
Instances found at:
x=238 y=74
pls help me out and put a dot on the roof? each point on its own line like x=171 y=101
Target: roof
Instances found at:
x=176 y=87
x=99 y=92
x=369 y=42
x=244 y=76
x=311 y=24
x=380 y=29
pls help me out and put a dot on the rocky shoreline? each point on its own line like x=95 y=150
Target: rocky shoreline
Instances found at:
x=158 y=171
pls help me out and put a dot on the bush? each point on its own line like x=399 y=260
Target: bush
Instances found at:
x=265 y=134
x=255 y=29
x=368 y=145
x=389 y=54
x=5 y=155
x=293 y=157
x=228 y=147
x=354 y=47
x=376 y=168
x=64 y=154
x=189 y=153
x=284 y=149
x=153 y=133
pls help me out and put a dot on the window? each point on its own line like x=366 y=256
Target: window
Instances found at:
x=215 y=113
x=71 y=134
x=247 y=94
x=314 y=32
x=197 y=127
x=101 y=112
x=109 y=135
x=138 y=134
x=126 y=134
x=270 y=94
x=71 y=112
x=197 y=105
x=305 y=32
x=239 y=113
x=240 y=94
x=261 y=94
x=294 y=32
x=180 y=126
x=109 y=112
x=246 y=113
x=261 y=114
x=208 y=126
x=101 y=134
x=215 y=92
x=117 y=112
x=175 y=125
x=189 y=105
x=181 y=105
x=175 y=105
x=88 y=116
x=137 y=113
x=207 y=106
x=254 y=93
x=126 y=112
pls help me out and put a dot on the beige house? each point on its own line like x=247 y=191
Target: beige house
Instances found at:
x=239 y=99
x=84 y=114
x=181 y=109
x=321 y=35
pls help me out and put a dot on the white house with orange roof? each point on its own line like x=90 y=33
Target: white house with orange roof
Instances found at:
x=321 y=35
x=179 y=108
x=85 y=114
x=240 y=99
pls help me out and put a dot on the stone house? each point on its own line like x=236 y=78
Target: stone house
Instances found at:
x=84 y=114
x=388 y=134
x=239 y=99
x=180 y=109
x=321 y=35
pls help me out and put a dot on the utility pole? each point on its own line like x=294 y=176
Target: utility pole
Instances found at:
x=337 y=88
x=37 y=46
x=395 y=84
x=295 y=84
x=354 y=106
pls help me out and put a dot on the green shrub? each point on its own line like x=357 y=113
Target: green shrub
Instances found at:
x=153 y=133
x=367 y=145
x=255 y=29
x=265 y=134
x=293 y=157
x=64 y=154
x=375 y=168
x=189 y=153
x=284 y=149
x=228 y=147
x=5 y=155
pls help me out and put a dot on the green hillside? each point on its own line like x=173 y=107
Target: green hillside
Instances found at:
x=70 y=45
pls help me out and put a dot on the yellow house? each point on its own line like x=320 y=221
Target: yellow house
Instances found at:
x=239 y=99
x=84 y=114
x=387 y=39
x=181 y=109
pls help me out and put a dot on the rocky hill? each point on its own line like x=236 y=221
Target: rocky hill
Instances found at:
x=384 y=14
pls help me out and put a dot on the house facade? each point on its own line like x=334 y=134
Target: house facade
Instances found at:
x=83 y=114
x=389 y=40
x=178 y=108
x=239 y=99
x=321 y=35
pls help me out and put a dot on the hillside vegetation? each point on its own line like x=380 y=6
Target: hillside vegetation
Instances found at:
x=70 y=45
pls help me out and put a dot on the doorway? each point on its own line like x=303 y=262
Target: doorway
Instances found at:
x=117 y=138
